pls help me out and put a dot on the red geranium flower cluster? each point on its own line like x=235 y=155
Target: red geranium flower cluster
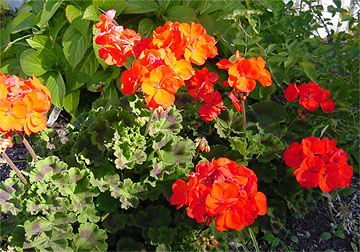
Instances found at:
x=220 y=190
x=311 y=96
x=23 y=104
x=117 y=43
x=201 y=87
x=243 y=74
x=163 y=62
x=319 y=163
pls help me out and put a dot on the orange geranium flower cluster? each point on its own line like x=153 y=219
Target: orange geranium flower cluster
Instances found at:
x=163 y=62
x=23 y=104
x=117 y=43
x=201 y=87
x=319 y=163
x=311 y=96
x=220 y=190
x=243 y=74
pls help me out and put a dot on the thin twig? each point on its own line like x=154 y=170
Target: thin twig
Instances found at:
x=13 y=166
x=28 y=146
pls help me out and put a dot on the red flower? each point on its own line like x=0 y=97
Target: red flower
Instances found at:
x=213 y=106
x=223 y=191
x=235 y=101
x=311 y=96
x=319 y=163
x=291 y=92
x=293 y=155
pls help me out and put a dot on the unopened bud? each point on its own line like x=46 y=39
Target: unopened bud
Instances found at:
x=202 y=146
x=215 y=242
x=207 y=148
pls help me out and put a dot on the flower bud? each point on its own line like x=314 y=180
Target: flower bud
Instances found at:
x=207 y=148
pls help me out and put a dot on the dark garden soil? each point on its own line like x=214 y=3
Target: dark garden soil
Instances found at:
x=308 y=230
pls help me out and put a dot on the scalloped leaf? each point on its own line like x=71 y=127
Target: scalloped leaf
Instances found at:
x=90 y=238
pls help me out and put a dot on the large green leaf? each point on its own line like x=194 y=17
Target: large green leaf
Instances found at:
x=146 y=26
x=140 y=7
x=32 y=62
x=71 y=102
x=49 y=9
x=181 y=13
x=74 y=45
x=56 y=86
x=92 y=13
x=72 y=12
x=309 y=69
x=22 y=22
x=118 y=5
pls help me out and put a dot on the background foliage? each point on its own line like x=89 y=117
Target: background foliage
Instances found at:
x=113 y=183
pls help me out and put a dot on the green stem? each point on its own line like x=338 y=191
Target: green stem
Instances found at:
x=149 y=122
x=296 y=118
x=13 y=166
x=253 y=238
x=28 y=146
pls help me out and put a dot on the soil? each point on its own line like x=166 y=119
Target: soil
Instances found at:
x=308 y=229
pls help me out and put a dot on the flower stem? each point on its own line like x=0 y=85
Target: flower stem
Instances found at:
x=296 y=118
x=28 y=146
x=243 y=114
x=149 y=122
x=13 y=166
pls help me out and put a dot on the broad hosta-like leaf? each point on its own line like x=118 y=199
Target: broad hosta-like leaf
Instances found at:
x=71 y=102
x=56 y=86
x=33 y=62
x=49 y=9
x=92 y=13
x=140 y=7
x=74 y=45
x=90 y=238
x=21 y=22
x=180 y=13
x=118 y=5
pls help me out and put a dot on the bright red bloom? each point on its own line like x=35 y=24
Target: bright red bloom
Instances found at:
x=319 y=163
x=291 y=93
x=201 y=83
x=311 y=96
x=213 y=106
x=220 y=190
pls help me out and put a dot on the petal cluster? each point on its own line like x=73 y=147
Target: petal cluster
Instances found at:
x=243 y=73
x=201 y=87
x=318 y=162
x=163 y=62
x=116 y=42
x=311 y=96
x=220 y=190
x=23 y=104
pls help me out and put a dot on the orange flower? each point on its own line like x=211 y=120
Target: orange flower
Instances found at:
x=160 y=88
x=243 y=73
x=3 y=91
x=12 y=115
x=35 y=122
x=199 y=46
